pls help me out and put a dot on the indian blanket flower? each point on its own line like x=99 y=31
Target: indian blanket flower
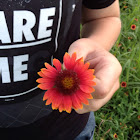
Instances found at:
x=126 y=93
x=138 y=117
x=133 y=27
x=119 y=45
x=115 y=136
x=129 y=38
x=136 y=19
x=123 y=84
x=125 y=6
x=68 y=87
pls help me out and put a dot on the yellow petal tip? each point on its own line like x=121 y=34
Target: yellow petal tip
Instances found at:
x=68 y=112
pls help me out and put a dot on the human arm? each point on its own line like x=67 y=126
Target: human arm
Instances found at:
x=102 y=25
x=100 y=31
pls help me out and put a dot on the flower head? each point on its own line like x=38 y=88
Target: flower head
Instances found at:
x=126 y=93
x=124 y=2
x=125 y=6
x=119 y=45
x=138 y=117
x=123 y=84
x=129 y=38
x=136 y=19
x=67 y=87
x=133 y=27
x=115 y=136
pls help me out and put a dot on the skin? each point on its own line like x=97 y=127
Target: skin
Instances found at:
x=101 y=29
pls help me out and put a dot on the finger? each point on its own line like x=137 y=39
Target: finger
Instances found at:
x=107 y=72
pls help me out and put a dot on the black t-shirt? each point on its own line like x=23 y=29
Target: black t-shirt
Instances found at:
x=33 y=32
x=97 y=4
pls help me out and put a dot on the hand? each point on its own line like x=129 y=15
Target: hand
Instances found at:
x=107 y=72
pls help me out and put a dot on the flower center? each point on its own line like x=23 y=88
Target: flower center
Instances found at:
x=67 y=82
x=133 y=27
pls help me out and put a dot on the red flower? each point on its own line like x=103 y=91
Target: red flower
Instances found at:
x=129 y=38
x=123 y=84
x=125 y=6
x=119 y=45
x=126 y=93
x=133 y=27
x=67 y=88
x=136 y=19
x=115 y=136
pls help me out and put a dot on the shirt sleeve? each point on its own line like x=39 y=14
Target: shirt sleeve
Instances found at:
x=97 y=4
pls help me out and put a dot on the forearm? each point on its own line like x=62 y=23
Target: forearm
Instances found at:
x=103 y=31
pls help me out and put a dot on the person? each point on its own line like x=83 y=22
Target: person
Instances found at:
x=33 y=32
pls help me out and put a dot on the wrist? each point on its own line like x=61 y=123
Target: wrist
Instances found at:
x=104 y=31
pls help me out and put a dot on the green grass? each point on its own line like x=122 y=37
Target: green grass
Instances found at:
x=120 y=114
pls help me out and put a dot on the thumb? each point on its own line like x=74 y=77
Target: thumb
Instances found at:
x=79 y=46
x=83 y=47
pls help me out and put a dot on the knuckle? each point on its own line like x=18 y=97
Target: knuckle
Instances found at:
x=103 y=92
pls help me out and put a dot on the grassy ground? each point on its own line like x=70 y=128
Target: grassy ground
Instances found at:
x=120 y=117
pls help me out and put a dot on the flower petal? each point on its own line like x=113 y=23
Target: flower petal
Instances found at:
x=76 y=102
x=49 y=67
x=81 y=68
x=48 y=73
x=67 y=103
x=87 y=89
x=87 y=82
x=81 y=97
x=80 y=60
x=57 y=64
x=70 y=62
x=48 y=94
x=87 y=75
x=78 y=68
x=86 y=95
x=56 y=99
x=86 y=65
x=66 y=60
x=49 y=82
x=48 y=102
x=61 y=108
x=74 y=56
x=73 y=60
x=41 y=74
x=44 y=86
